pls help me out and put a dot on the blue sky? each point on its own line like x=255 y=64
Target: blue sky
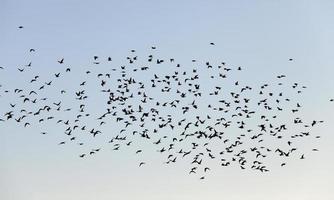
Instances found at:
x=260 y=36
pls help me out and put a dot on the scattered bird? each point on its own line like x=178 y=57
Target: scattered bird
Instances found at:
x=170 y=110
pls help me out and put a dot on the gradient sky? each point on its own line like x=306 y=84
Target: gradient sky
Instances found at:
x=259 y=35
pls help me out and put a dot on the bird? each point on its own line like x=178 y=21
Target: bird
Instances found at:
x=61 y=61
x=138 y=151
x=206 y=169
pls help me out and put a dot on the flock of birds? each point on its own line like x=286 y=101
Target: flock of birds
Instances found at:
x=197 y=112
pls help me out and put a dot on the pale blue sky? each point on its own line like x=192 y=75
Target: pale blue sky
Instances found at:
x=259 y=35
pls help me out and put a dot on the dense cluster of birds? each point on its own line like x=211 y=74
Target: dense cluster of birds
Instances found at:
x=198 y=112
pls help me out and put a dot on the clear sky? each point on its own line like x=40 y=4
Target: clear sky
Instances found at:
x=258 y=35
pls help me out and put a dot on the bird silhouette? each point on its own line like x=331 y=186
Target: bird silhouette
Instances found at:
x=202 y=110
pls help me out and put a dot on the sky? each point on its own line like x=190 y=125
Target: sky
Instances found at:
x=258 y=35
